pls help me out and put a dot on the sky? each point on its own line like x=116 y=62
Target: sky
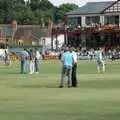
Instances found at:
x=78 y=2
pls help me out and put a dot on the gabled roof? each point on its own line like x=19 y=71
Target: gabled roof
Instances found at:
x=31 y=30
x=92 y=8
x=24 y=30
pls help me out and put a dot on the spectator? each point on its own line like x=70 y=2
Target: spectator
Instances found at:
x=23 y=59
x=74 y=67
x=67 y=62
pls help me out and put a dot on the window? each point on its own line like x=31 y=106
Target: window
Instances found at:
x=92 y=19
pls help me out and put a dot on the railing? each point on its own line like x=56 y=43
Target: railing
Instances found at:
x=50 y=57
x=14 y=57
x=25 y=46
x=95 y=28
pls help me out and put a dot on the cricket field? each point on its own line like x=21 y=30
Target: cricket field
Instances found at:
x=38 y=97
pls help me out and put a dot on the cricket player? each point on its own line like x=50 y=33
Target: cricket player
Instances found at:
x=100 y=60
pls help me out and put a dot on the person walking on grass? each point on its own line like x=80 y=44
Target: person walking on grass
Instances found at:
x=6 y=58
x=37 y=60
x=67 y=62
x=100 y=60
x=31 y=62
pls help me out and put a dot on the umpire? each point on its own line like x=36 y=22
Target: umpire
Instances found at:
x=74 y=67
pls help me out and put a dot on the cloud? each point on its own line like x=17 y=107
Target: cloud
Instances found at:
x=59 y=2
x=77 y=2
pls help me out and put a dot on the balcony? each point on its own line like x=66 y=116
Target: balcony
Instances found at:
x=89 y=29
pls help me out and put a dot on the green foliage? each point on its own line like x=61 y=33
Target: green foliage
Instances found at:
x=32 y=11
x=64 y=8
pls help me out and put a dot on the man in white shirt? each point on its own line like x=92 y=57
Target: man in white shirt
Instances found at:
x=37 y=60
x=31 y=62
x=74 y=67
x=100 y=60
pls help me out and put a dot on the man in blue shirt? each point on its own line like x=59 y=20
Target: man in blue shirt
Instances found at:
x=67 y=62
x=23 y=58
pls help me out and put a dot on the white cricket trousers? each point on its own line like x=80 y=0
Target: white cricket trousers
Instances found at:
x=32 y=66
x=101 y=66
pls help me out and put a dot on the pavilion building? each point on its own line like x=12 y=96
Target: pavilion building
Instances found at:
x=95 y=24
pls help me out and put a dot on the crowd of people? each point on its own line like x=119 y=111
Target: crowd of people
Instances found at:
x=29 y=61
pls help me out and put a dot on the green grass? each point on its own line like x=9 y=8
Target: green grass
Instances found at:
x=37 y=97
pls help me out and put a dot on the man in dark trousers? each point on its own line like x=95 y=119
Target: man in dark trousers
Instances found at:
x=74 y=67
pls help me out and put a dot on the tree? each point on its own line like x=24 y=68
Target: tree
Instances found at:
x=62 y=9
x=8 y=8
x=32 y=11
x=43 y=10
x=34 y=4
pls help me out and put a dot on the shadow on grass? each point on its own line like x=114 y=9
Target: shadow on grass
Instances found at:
x=109 y=84
x=35 y=86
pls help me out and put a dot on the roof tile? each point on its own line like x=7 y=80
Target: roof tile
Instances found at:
x=92 y=8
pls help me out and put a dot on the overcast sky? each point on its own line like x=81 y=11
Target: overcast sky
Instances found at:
x=78 y=2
